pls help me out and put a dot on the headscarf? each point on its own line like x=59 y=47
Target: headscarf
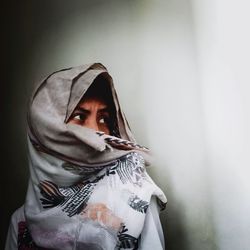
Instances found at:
x=87 y=190
x=51 y=106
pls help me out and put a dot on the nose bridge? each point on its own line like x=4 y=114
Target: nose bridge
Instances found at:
x=91 y=122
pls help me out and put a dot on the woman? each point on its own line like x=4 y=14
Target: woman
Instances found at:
x=88 y=186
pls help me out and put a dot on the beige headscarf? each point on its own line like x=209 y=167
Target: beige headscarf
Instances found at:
x=51 y=106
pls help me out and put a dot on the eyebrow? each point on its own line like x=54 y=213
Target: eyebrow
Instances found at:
x=86 y=111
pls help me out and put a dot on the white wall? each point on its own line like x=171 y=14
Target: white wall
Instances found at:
x=223 y=38
x=181 y=69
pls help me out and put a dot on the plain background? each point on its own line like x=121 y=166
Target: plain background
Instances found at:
x=181 y=68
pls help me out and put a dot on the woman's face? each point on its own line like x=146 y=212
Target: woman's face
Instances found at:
x=92 y=113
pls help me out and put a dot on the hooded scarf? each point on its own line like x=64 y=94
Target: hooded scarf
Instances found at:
x=87 y=190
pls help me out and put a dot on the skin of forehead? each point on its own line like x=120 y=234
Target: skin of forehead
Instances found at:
x=95 y=101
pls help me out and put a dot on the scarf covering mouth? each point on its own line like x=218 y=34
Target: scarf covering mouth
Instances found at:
x=87 y=190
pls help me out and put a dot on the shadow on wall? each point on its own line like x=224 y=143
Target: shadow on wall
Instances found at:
x=173 y=226
x=172 y=219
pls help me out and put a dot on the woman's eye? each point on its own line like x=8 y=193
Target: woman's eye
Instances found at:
x=102 y=120
x=79 y=117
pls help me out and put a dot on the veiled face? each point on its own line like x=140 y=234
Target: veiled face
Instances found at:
x=92 y=113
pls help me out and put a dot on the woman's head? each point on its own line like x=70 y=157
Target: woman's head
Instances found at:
x=84 y=96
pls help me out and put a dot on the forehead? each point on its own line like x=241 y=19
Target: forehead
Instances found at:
x=93 y=102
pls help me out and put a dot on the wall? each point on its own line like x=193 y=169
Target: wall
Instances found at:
x=223 y=38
